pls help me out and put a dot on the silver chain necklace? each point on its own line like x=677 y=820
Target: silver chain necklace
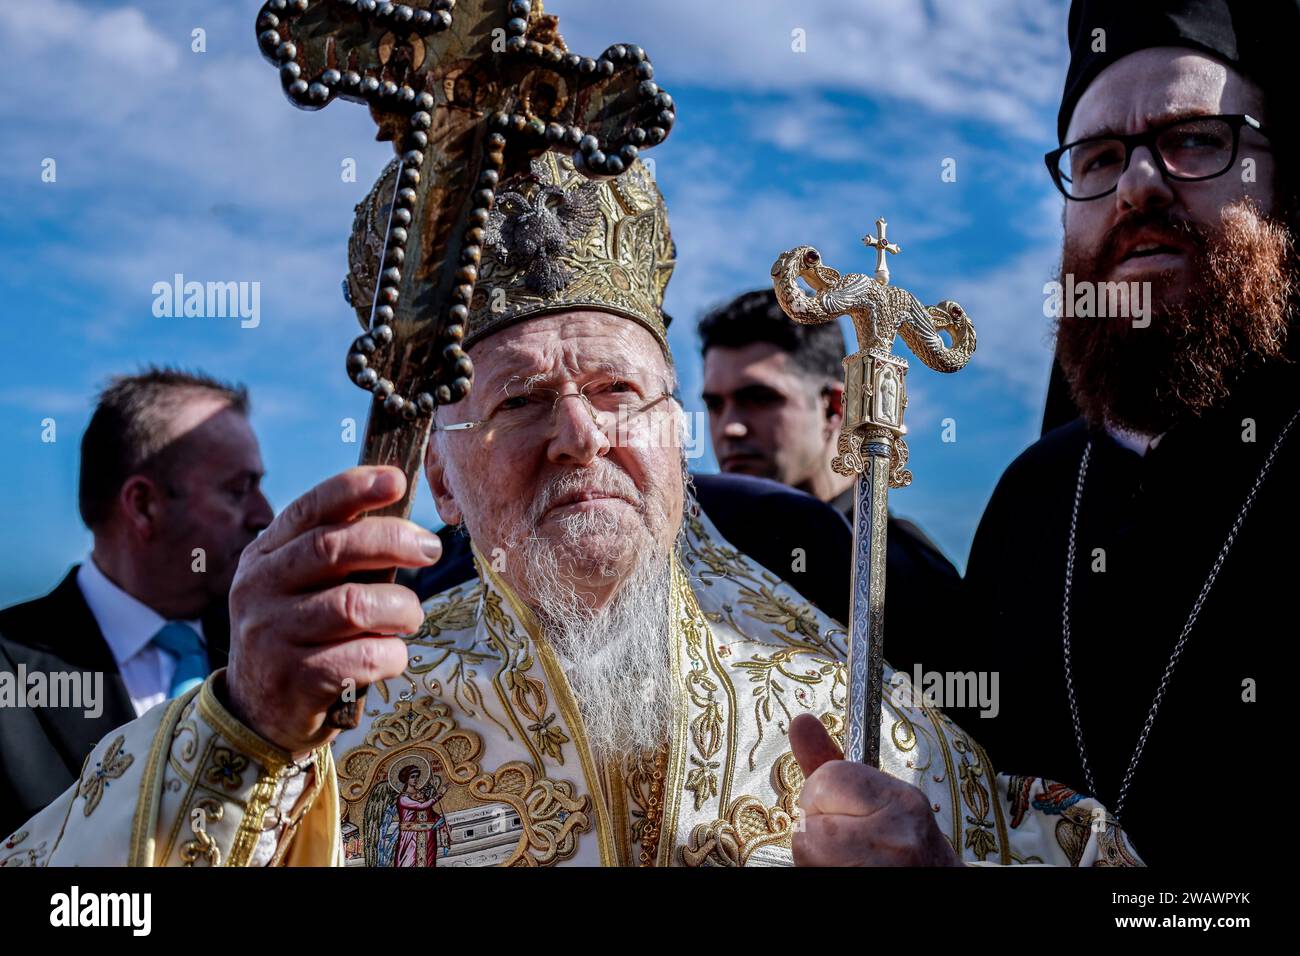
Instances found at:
x=1182 y=638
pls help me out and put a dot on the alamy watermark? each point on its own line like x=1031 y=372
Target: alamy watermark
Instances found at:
x=946 y=689
x=1098 y=300
x=77 y=689
x=130 y=910
x=208 y=300
x=630 y=431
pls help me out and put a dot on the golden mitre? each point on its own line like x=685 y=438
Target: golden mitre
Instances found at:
x=556 y=240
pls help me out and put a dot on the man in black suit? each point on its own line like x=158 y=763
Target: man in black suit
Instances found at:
x=170 y=488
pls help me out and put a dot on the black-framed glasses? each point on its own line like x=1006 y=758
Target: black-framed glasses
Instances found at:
x=1188 y=150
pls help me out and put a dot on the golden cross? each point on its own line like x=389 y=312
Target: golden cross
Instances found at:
x=468 y=91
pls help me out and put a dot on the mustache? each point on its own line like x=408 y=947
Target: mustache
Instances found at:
x=1240 y=311
x=607 y=480
x=1106 y=255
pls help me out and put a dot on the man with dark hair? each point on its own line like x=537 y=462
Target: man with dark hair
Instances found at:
x=169 y=486
x=774 y=389
x=1131 y=563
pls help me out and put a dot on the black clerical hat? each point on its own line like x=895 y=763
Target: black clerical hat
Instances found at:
x=1255 y=37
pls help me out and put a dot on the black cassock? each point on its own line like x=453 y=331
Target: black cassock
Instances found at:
x=1209 y=785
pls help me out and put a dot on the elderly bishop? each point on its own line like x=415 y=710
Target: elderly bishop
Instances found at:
x=618 y=686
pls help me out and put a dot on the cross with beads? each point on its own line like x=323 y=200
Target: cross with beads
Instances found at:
x=881 y=245
x=468 y=92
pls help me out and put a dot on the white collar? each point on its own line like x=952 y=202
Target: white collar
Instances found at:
x=127 y=623
x=1133 y=441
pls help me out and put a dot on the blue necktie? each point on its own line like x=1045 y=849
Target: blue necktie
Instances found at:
x=183 y=643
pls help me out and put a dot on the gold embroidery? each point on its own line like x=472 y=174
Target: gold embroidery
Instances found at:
x=703 y=780
x=516 y=661
x=144 y=822
x=762 y=671
x=225 y=769
x=540 y=819
x=999 y=819
x=250 y=826
x=1112 y=848
x=618 y=794
x=109 y=767
x=422 y=721
x=979 y=840
x=683 y=607
x=787 y=775
x=758 y=592
x=1072 y=830
x=794 y=635
x=203 y=846
x=553 y=815
x=267 y=754
x=187 y=776
x=748 y=827
x=954 y=801
x=455 y=611
x=707 y=727
x=649 y=829
x=573 y=717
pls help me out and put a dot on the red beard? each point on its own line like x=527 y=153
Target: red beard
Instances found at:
x=1236 y=316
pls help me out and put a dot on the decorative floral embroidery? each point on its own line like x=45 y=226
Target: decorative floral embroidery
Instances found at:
x=703 y=780
x=550 y=740
x=735 y=839
x=979 y=838
x=25 y=857
x=226 y=769
x=110 y=766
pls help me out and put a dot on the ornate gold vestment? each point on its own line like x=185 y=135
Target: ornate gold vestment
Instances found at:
x=476 y=756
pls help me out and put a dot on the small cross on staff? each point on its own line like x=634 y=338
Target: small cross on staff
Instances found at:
x=881 y=245
x=871 y=444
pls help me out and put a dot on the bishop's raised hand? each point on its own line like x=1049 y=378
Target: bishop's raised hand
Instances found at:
x=300 y=630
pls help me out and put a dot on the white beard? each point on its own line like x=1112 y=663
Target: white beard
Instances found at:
x=616 y=658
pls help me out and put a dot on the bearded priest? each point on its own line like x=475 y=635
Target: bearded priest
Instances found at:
x=1130 y=572
x=618 y=686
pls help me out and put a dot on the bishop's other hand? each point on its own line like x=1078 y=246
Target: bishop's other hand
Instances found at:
x=855 y=815
x=301 y=633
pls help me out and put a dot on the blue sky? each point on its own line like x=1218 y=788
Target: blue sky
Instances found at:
x=173 y=161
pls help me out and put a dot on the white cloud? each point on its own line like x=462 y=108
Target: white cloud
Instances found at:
x=1001 y=61
x=63 y=32
x=810 y=126
x=1014 y=337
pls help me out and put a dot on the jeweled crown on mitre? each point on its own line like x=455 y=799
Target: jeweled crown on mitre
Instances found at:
x=556 y=240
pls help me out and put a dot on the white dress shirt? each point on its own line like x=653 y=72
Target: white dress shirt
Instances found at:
x=129 y=626
x=1133 y=441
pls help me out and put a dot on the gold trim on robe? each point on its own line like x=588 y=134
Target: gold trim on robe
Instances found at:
x=481 y=743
